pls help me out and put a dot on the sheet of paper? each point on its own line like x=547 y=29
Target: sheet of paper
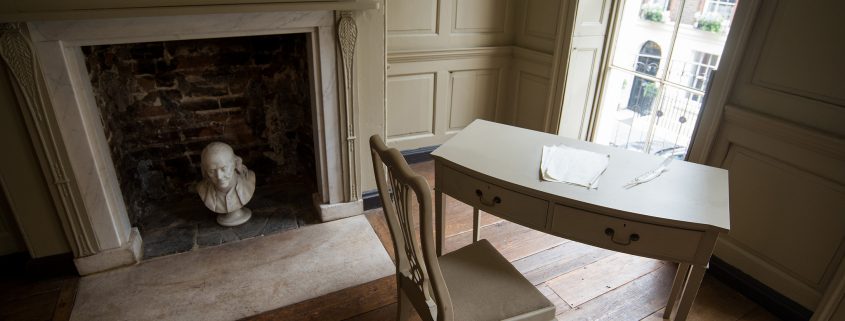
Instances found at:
x=565 y=164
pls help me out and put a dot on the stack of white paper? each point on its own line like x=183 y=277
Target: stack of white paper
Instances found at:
x=571 y=165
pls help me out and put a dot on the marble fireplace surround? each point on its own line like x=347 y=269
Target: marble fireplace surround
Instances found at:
x=94 y=213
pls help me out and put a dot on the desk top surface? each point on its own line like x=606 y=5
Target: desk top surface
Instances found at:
x=687 y=195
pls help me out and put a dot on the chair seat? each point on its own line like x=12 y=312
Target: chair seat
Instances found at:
x=485 y=286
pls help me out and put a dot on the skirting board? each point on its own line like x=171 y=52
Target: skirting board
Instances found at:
x=419 y=155
x=413 y=156
x=776 y=303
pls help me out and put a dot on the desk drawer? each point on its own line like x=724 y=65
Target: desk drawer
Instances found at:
x=625 y=236
x=513 y=206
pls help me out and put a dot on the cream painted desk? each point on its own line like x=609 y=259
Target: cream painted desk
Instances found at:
x=676 y=217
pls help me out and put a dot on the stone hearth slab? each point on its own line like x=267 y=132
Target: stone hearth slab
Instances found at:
x=240 y=279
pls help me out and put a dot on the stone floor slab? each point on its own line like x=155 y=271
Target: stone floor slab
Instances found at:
x=239 y=279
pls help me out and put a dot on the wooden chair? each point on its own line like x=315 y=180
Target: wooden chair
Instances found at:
x=473 y=283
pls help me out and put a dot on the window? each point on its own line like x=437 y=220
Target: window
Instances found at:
x=643 y=90
x=724 y=8
x=654 y=85
x=698 y=72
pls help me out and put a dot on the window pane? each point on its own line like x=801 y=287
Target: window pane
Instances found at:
x=640 y=51
x=628 y=102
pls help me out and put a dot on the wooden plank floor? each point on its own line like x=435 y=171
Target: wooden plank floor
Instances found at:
x=44 y=291
x=584 y=282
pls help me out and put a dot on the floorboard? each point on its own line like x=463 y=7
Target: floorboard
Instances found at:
x=549 y=264
x=632 y=301
x=338 y=305
x=602 y=276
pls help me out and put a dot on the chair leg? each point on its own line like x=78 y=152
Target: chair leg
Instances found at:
x=476 y=225
x=404 y=306
x=439 y=227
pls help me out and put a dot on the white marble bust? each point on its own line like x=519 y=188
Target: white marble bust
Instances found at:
x=227 y=184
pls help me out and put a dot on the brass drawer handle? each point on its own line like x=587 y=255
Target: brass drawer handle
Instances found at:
x=480 y=194
x=631 y=238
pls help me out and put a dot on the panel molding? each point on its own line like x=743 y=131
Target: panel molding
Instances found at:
x=791 y=133
x=410 y=56
x=528 y=55
x=432 y=92
x=833 y=301
x=540 y=34
x=595 y=27
x=502 y=24
x=531 y=62
x=765 y=296
x=488 y=112
x=793 y=170
x=524 y=77
x=761 y=270
x=764 y=54
x=431 y=30
x=791 y=103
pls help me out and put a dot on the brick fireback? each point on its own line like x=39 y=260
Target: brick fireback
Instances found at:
x=161 y=103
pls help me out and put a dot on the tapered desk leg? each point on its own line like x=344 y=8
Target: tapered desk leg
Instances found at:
x=677 y=287
x=439 y=228
x=476 y=225
x=696 y=274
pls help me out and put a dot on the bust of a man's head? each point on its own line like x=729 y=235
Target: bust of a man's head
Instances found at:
x=219 y=164
x=227 y=184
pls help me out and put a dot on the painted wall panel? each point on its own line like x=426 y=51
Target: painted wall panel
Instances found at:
x=792 y=69
x=531 y=94
x=473 y=96
x=480 y=15
x=767 y=192
x=537 y=24
x=780 y=66
x=410 y=105
x=412 y=16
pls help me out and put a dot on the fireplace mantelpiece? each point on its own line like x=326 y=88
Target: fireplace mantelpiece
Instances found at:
x=68 y=130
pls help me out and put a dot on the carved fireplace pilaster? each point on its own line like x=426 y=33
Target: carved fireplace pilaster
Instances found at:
x=347 y=35
x=94 y=249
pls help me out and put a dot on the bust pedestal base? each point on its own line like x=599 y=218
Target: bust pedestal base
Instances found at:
x=235 y=218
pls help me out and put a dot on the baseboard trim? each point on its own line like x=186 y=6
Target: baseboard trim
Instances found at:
x=371 y=200
x=771 y=300
x=418 y=155
x=413 y=156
